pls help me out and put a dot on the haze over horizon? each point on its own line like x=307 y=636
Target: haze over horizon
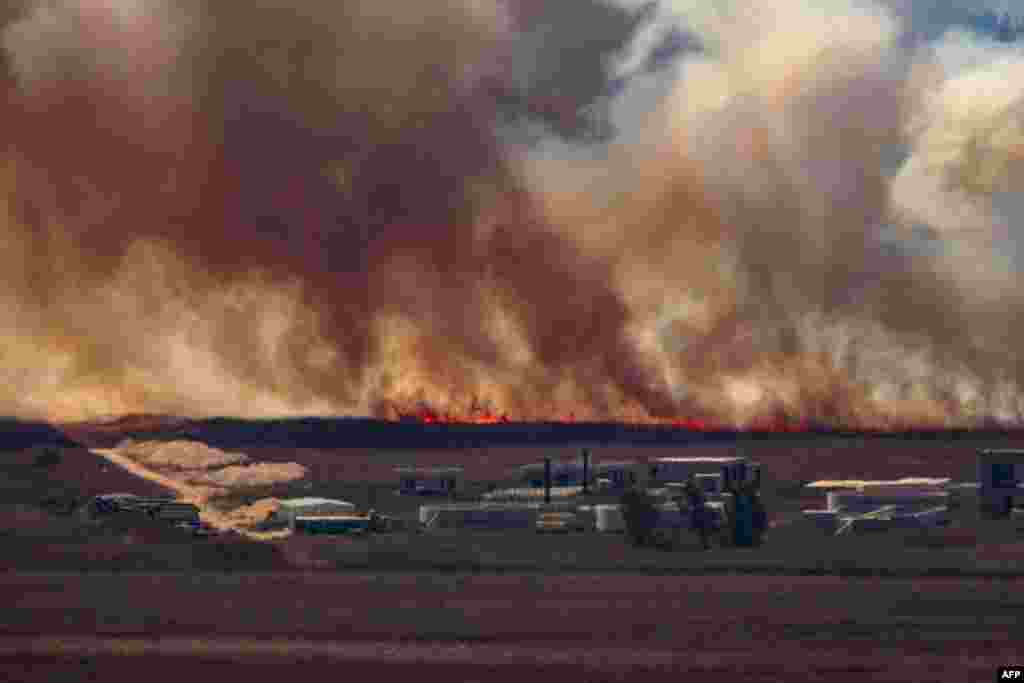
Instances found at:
x=677 y=211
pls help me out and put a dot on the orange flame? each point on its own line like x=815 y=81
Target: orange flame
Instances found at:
x=479 y=414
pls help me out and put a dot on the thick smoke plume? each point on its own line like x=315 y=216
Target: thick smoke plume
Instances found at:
x=325 y=207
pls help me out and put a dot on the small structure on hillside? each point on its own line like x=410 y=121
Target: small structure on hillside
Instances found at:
x=427 y=480
x=1000 y=480
x=289 y=510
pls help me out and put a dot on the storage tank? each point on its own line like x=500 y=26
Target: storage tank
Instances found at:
x=609 y=518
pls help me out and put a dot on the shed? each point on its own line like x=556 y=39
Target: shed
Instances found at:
x=292 y=508
x=438 y=480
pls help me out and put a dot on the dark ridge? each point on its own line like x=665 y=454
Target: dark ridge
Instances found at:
x=343 y=432
x=17 y=435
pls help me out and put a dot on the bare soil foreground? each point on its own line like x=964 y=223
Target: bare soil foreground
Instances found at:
x=475 y=627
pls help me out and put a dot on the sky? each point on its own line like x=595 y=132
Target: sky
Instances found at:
x=728 y=212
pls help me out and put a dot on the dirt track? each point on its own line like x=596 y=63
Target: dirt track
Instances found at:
x=196 y=495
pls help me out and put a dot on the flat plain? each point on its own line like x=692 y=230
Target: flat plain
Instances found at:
x=481 y=606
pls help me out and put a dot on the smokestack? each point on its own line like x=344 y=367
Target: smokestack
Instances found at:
x=547 y=480
x=586 y=471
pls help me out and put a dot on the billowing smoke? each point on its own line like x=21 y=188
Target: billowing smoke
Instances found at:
x=784 y=211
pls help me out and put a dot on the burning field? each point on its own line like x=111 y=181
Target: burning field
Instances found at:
x=743 y=214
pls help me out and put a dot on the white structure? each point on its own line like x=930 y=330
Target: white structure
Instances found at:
x=1000 y=480
x=731 y=469
x=292 y=508
x=441 y=480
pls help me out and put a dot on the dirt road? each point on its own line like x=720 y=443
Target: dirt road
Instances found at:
x=197 y=495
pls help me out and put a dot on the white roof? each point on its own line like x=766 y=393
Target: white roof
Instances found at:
x=310 y=502
x=862 y=483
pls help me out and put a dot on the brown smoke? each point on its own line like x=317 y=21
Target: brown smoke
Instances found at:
x=341 y=153
x=314 y=207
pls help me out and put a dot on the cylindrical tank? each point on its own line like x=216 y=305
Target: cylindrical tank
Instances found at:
x=609 y=518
